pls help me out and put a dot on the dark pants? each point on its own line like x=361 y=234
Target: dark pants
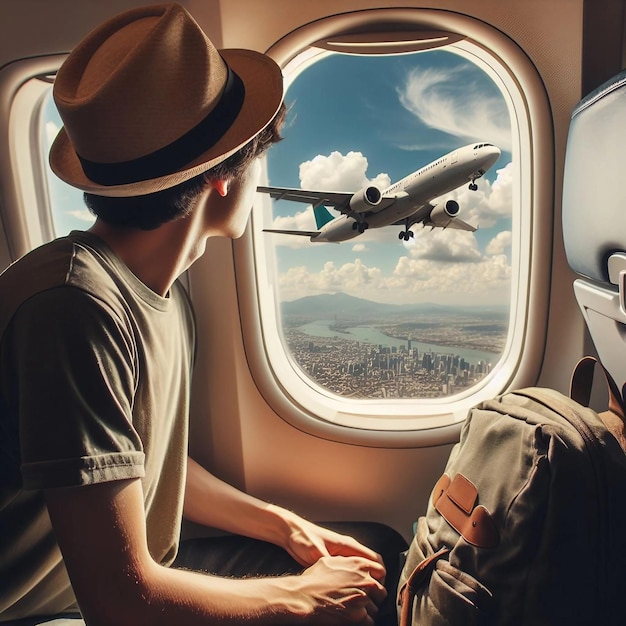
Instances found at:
x=240 y=557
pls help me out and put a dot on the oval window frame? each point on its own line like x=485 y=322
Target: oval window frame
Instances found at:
x=300 y=401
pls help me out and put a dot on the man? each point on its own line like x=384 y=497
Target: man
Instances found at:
x=162 y=132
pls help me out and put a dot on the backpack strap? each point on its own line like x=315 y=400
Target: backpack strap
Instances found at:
x=418 y=577
x=580 y=391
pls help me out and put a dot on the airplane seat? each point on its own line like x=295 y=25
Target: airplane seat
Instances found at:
x=594 y=226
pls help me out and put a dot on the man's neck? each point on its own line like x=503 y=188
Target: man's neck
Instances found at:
x=157 y=257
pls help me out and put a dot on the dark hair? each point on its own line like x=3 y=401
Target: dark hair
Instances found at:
x=152 y=210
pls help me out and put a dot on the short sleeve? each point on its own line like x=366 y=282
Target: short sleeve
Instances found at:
x=74 y=381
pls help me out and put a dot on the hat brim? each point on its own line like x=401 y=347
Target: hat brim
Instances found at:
x=263 y=83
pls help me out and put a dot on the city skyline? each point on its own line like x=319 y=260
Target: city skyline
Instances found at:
x=355 y=369
x=392 y=351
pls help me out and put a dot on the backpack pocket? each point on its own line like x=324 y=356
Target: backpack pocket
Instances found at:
x=442 y=594
x=452 y=597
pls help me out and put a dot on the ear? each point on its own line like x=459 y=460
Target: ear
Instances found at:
x=220 y=185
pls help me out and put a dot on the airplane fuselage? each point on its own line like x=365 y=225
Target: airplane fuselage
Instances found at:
x=412 y=196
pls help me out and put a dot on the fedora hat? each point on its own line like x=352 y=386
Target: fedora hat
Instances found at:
x=148 y=102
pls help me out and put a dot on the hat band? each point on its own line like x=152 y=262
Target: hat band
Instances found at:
x=180 y=152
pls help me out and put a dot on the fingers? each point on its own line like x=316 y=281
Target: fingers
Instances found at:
x=378 y=571
x=367 y=574
x=373 y=576
x=345 y=545
x=351 y=547
x=345 y=589
x=361 y=609
x=368 y=554
x=377 y=592
x=375 y=568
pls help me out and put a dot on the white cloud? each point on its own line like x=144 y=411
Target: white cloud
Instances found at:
x=499 y=243
x=501 y=198
x=359 y=247
x=352 y=277
x=338 y=172
x=82 y=215
x=52 y=131
x=443 y=100
x=302 y=220
x=443 y=246
x=485 y=281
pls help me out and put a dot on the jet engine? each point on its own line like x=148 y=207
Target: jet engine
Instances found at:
x=444 y=213
x=365 y=199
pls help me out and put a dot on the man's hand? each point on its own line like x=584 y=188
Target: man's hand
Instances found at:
x=308 y=542
x=342 y=590
x=212 y=502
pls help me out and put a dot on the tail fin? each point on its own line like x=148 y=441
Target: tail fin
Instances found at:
x=322 y=216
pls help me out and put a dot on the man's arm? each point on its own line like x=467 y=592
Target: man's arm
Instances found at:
x=102 y=534
x=212 y=502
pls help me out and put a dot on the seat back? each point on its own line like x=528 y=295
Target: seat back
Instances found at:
x=594 y=218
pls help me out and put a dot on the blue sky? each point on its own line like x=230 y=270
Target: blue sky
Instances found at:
x=68 y=209
x=357 y=119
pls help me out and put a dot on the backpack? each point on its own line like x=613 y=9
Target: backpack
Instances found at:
x=527 y=525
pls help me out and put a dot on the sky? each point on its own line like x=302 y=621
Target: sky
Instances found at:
x=354 y=120
x=68 y=209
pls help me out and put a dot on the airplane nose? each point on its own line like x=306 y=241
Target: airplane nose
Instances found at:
x=493 y=154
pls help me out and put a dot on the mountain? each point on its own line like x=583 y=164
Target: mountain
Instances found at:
x=341 y=305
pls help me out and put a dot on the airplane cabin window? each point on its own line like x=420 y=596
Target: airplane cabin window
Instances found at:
x=417 y=307
x=47 y=206
x=391 y=245
x=66 y=202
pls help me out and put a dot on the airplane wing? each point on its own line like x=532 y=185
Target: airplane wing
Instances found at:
x=455 y=223
x=304 y=233
x=461 y=225
x=336 y=199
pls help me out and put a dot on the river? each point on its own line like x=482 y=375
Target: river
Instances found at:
x=367 y=334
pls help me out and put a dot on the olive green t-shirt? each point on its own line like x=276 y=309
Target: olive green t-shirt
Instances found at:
x=94 y=386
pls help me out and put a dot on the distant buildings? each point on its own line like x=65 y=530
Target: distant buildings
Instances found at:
x=359 y=369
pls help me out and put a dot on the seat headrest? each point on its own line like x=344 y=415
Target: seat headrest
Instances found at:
x=594 y=185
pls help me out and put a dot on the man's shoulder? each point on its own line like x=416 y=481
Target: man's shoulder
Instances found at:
x=63 y=262
x=53 y=258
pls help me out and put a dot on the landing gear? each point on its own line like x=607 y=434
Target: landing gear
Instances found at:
x=407 y=233
x=473 y=186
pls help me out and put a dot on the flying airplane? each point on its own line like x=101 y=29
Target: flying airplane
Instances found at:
x=407 y=202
